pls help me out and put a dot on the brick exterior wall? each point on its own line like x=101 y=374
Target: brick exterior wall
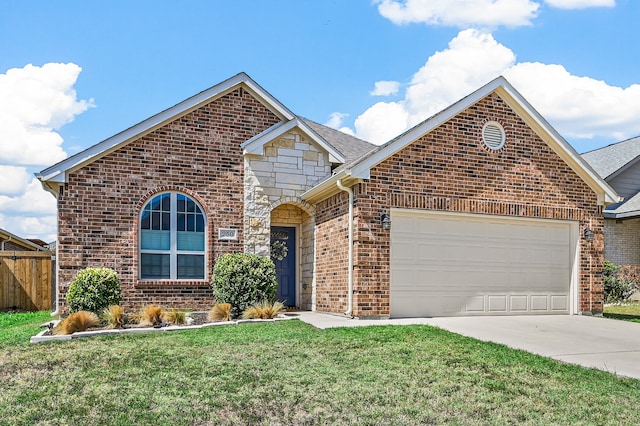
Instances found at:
x=622 y=245
x=332 y=245
x=198 y=154
x=450 y=169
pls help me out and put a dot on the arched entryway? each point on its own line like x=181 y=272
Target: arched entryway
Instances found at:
x=291 y=248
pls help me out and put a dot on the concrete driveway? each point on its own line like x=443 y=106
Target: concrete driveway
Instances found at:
x=601 y=343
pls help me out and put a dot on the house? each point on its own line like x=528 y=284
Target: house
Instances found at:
x=619 y=165
x=481 y=209
x=11 y=242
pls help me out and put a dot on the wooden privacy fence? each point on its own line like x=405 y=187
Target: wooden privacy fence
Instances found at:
x=26 y=280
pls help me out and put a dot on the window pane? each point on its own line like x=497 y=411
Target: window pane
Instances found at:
x=182 y=200
x=166 y=221
x=190 y=266
x=191 y=206
x=181 y=222
x=191 y=241
x=191 y=226
x=199 y=223
x=155 y=240
x=154 y=266
x=145 y=220
x=166 y=202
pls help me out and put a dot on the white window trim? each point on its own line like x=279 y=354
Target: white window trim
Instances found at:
x=173 y=246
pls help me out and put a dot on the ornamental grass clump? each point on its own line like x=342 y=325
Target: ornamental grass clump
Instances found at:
x=151 y=316
x=78 y=321
x=220 y=312
x=175 y=317
x=94 y=289
x=243 y=279
x=114 y=316
x=263 y=310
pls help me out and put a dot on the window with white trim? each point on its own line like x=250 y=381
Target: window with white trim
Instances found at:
x=172 y=238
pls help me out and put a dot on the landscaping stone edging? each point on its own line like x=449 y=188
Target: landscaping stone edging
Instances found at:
x=43 y=337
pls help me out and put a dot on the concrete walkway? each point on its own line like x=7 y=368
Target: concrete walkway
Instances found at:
x=605 y=344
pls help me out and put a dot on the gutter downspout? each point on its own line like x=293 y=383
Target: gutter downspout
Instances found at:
x=350 y=277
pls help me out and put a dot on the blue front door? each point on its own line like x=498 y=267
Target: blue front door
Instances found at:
x=283 y=254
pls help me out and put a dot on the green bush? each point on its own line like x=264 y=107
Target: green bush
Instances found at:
x=94 y=290
x=243 y=279
x=618 y=286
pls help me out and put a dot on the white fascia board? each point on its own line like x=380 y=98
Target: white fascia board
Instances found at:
x=111 y=144
x=255 y=145
x=519 y=104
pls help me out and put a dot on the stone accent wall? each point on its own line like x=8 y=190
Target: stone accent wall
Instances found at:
x=622 y=241
x=450 y=169
x=198 y=154
x=290 y=166
x=273 y=184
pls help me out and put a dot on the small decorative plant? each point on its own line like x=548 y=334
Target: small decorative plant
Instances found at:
x=242 y=279
x=220 y=312
x=263 y=310
x=94 y=289
x=151 y=316
x=78 y=321
x=174 y=317
x=114 y=315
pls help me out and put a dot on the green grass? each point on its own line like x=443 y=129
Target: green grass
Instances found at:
x=290 y=373
x=629 y=311
x=17 y=328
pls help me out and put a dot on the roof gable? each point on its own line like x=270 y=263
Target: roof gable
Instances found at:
x=361 y=168
x=255 y=145
x=53 y=176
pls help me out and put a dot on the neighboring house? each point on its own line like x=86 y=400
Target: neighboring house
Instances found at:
x=11 y=242
x=481 y=209
x=619 y=165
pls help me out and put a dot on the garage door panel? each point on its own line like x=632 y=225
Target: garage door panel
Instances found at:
x=470 y=264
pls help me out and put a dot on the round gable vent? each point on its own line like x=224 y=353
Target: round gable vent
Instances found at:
x=493 y=135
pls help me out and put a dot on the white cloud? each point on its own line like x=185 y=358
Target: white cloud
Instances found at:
x=580 y=4
x=13 y=180
x=460 y=13
x=34 y=103
x=335 y=122
x=34 y=201
x=385 y=88
x=578 y=107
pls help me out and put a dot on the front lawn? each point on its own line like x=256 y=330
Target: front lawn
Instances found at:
x=628 y=311
x=291 y=373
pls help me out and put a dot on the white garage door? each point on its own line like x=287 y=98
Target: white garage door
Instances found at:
x=445 y=264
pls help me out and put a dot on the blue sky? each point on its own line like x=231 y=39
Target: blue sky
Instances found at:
x=371 y=68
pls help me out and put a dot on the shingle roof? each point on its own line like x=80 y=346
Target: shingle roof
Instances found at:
x=350 y=146
x=626 y=209
x=611 y=158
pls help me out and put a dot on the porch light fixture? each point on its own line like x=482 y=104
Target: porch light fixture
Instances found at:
x=386 y=221
x=588 y=234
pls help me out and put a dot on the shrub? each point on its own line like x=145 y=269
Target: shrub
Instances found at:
x=94 y=289
x=78 y=321
x=220 y=312
x=243 y=279
x=619 y=283
x=114 y=315
x=263 y=310
x=174 y=316
x=151 y=315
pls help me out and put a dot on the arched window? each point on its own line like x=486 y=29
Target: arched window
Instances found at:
x=172 y=238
